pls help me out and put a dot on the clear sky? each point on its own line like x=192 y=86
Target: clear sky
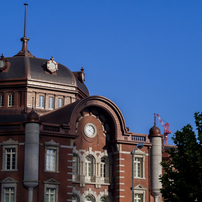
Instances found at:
x=144 y=55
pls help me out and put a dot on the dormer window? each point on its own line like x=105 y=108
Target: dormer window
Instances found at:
x=10 y=100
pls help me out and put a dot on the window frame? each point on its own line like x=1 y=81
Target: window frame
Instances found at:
x=92 y=198
x=139 y=190
x=89 y=168
x=1 y=100
x=10 y=100
x=51 y=184
x=8 y=183
x=9 y=145
x=51 y=102
x=104 y=169
x=52 y=146
x=48 y=192
x=76 y=196
x=41 y=101
x=76 y=171
x=137 y=198
x=138 y=167
x=104 y=197
x=59 y=102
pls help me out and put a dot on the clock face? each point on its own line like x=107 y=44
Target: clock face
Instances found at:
x=2 y=63
x=90 y=130
x=52 y=66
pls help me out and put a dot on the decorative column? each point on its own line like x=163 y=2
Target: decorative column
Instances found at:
x=156 y=158
x=31 y=160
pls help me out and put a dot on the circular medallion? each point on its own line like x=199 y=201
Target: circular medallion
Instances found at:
x=90 y=130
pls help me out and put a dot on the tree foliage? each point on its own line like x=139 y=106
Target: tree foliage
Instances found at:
x=182 y=180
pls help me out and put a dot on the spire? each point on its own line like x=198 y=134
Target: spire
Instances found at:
x=24 y=39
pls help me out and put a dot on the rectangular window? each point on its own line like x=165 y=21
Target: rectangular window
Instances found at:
x=10 y=158
x=1 y=100
x=10 y=100
x=50 y=103
x=89 y=169
x=9 y=194
x=51 y=159
x=60 y=102
x=75 y=165
x=138 y=197
x=138 y=167
x=102 y=169
x=50 y=195
x=41 y=101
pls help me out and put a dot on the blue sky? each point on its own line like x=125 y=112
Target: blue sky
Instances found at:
x=143 y=55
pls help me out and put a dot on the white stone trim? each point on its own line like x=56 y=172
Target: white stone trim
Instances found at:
x=120 y=159
x=120 y=196
x=97 y=156
x=120 y=165
x=66 y=147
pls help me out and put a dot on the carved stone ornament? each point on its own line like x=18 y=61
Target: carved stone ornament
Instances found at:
x=52 y=66
x=3 y=63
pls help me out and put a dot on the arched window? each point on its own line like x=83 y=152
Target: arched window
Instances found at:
x=104 y=199
x=75 y=167
x=89 y=168
x=104 y=170
x=89 y=198
x=75 y=198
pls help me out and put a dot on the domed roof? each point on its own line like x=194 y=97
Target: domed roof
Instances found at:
x=32 y=116
x=26 y=66
x=154 y=131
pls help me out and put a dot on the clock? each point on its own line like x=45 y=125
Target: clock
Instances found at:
x=3 y=63
x=52 y=66
x=90 y=130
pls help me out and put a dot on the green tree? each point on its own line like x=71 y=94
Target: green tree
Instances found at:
x=182 y=180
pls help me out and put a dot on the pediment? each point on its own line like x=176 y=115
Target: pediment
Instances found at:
x=140 y=187
x=8 y=180
x=140 y=152
x=10 y=141
x=52 y=143
x=51 y=181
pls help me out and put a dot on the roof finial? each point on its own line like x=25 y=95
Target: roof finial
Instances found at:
x=154 y=119
x=25 y=20
x=24 y=39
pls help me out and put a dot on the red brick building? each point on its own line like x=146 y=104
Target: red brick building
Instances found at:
x=58 y=143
